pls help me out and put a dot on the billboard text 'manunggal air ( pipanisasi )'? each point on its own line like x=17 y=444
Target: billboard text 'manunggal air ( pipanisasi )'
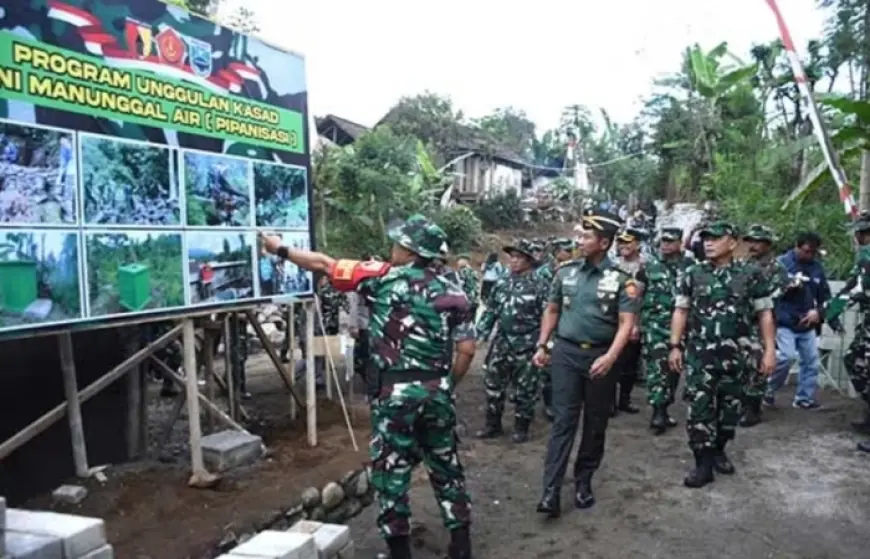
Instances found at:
x=61 y=79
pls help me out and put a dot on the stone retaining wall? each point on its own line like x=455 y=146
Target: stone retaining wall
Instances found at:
x=335 y=503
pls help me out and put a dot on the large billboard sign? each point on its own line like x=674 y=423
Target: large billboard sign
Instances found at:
x=141 y=148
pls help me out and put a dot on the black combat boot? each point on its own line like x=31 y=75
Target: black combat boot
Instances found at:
x=752 y=415
x=460 y=544
x=492 y=429
x=864 y=446
x=659 y=420
x=400 y=547
x=669 y=421
x=721 y=463
x=551 y=502
x=583 y=497
x=702 y=473
x=863 y=426
x=521 y=430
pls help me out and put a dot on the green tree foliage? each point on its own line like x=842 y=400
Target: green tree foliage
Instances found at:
x=462 y=226
x=429 y=117
x=510 y=128
x=503 y=211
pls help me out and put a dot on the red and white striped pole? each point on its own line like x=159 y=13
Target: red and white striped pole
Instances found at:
x=800 y=77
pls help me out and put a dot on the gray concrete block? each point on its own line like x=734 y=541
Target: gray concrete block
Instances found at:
x=2 y=527
x=21 y=545
x=80 y=534
x=105 y=552
x=70 y=494
x=329 y=538
x=229 y=449
x=277 y=545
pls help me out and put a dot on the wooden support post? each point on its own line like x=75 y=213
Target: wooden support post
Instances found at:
x=326 y=376
x=228 y=370
x=310 y=380
x=199 y=476
x=50 y=417
x=270 y=351
x=208 y=365
x=290 y=331
x=74 y=410
x=134 y=397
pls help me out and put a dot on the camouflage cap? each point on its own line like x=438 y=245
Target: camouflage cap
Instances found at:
x=536 y=245
x=421 y=236
x=671 y=234
x=719 y=228
x=862 y=224
x=564 y=243
x=463 y=256
x=524 y=247
x=758 y=232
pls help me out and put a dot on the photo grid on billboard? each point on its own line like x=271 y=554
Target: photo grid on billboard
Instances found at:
x=123 y=226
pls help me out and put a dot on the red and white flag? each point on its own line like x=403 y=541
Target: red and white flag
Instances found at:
x=800 y=77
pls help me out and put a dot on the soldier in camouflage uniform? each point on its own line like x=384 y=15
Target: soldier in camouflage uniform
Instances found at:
x=658 y=278
x=563 y=251
x=630 y=261
x=470 y=281
x=760 y=241
x=515 y=305
x=717 y=303
x=416 y=319
x=857 y=291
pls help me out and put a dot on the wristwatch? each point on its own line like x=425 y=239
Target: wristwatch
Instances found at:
x=672 y=345
x=547 y=347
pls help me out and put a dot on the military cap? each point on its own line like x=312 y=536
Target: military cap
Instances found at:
x=463 y=256
x=524 y=247
x=606 y=223
x=719 y=228
x=421 y=236
x=536 y=245
x=758 y=232
x=564 y=243
x=629 y=234
x=862 y=224
x=671 y=234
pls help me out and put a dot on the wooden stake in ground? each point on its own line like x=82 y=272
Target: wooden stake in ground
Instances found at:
x=74 y=410
x=200 y=477
x=310 y=376
x=330 y=368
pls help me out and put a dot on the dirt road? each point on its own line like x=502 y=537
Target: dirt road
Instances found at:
x=801 y=491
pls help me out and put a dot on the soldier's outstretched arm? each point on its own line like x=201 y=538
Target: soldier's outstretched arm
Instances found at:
x=309 y=260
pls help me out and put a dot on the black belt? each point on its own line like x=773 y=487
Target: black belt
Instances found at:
x=584 y=345
x=400 y=377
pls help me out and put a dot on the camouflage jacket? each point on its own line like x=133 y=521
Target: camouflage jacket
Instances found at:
x=658 y=277
x=722 y=302
x=332 y=302
x=859 y=277
x=470 y=284
x=545 y=274
x=416 y=317
x=775 y=273
x=515 y=304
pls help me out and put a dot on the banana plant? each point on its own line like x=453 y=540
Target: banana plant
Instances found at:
x=711 y=77
x=848 y=141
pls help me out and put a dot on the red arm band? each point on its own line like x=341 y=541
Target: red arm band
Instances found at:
x=346 y=275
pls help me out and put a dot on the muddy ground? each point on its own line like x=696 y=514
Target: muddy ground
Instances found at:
x=801 y=490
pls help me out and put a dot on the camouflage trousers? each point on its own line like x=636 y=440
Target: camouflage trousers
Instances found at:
x=714 y=392
x=661 y=383
x=504 y=369
x=417 y=424
x=756 y=383
x=857 y=362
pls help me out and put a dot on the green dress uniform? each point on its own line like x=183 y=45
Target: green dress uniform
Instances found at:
x=590 y=298
x=629 y=359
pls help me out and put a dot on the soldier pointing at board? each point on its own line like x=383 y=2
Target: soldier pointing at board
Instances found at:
x=416 y=318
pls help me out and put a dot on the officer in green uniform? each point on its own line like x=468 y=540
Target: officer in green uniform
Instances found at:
x=588 y=320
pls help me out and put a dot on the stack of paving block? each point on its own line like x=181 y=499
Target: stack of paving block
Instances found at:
x=305 y=540
x=48 y=535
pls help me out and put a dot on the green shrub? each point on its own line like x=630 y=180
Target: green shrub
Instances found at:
x=463 y=228
x=503 y=211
